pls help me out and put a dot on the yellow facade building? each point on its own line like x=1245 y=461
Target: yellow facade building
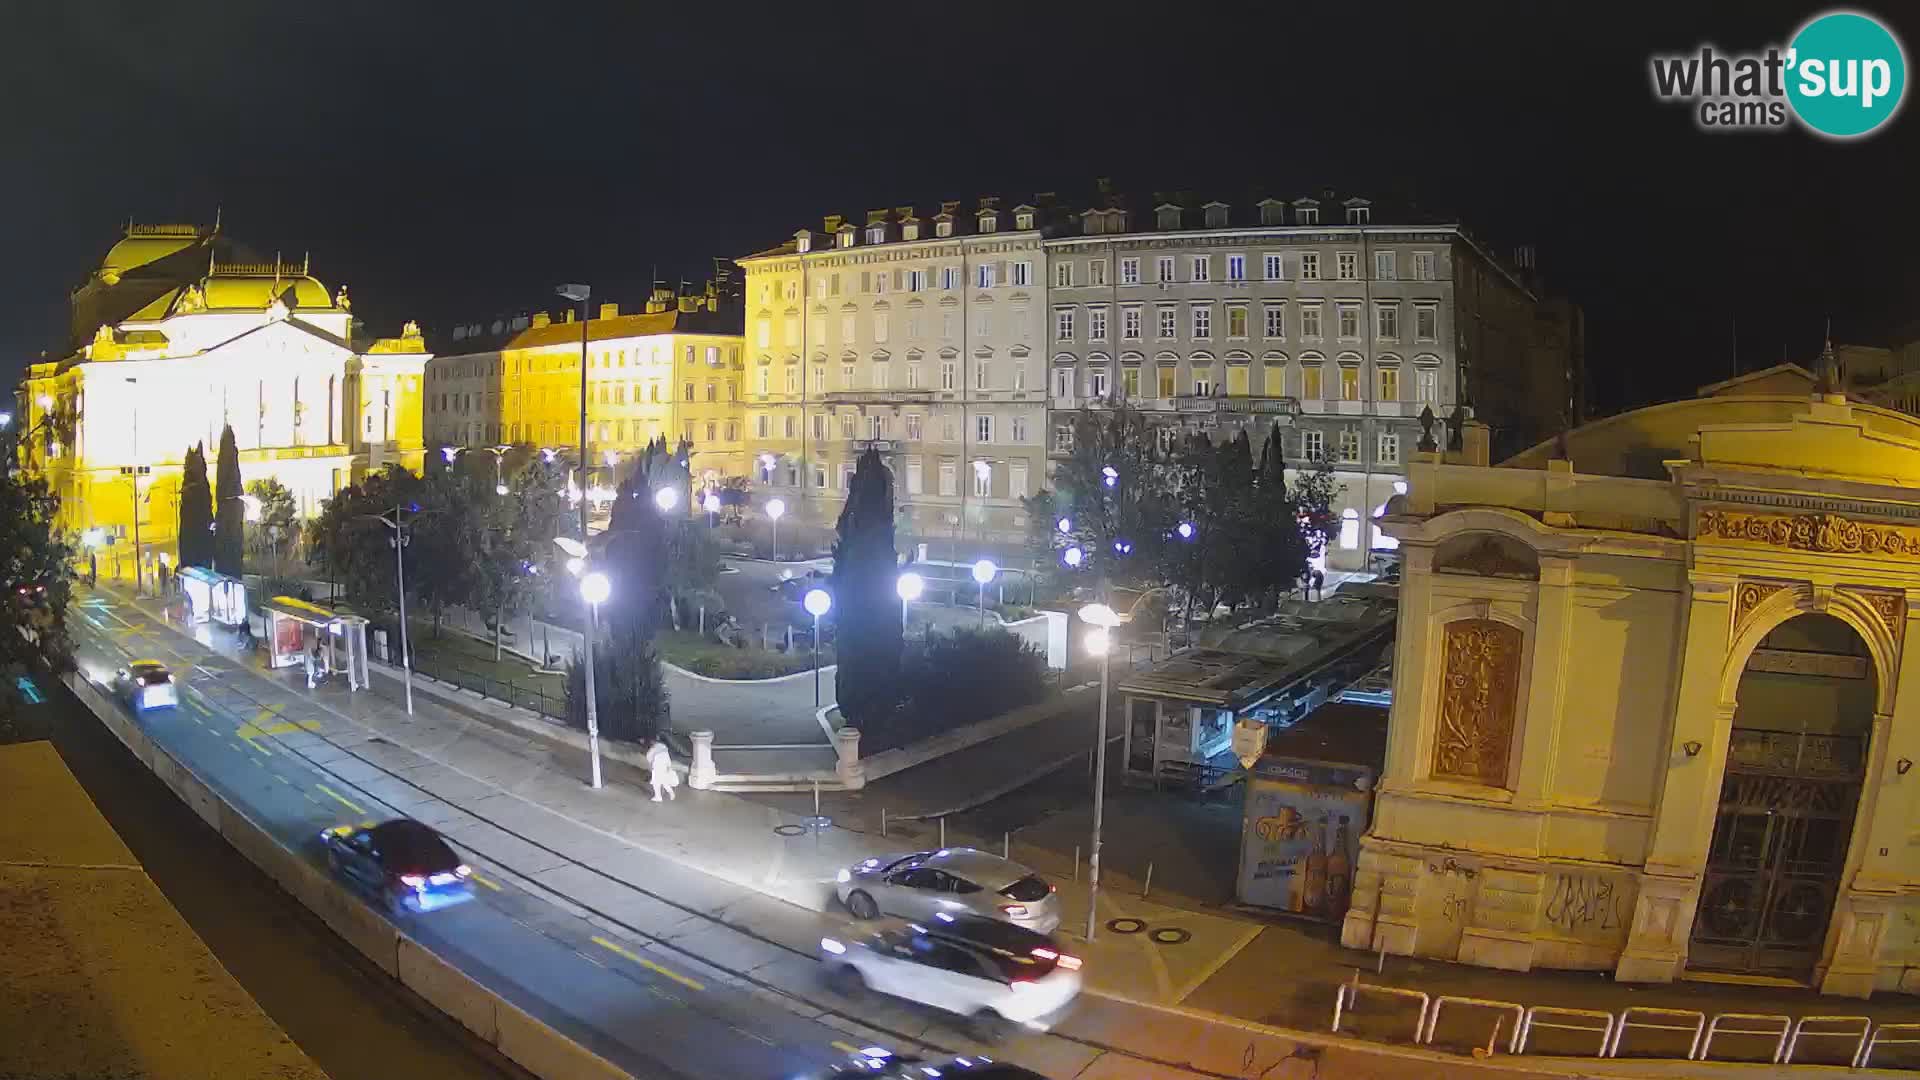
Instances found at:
x=673 y=370
x=1651 y=709
x=178 y=334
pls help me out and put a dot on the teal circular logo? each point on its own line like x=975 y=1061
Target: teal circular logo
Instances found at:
x=1847 y=74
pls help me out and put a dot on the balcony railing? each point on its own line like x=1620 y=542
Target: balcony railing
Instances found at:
x=876 y=397
x=1234 y=403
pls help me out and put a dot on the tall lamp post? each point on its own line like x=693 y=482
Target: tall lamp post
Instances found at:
x=983 y=572
x=398 y=525
x=817 y=603
x=594 y=589
x=909 y=587
x=1099 y=643
x=580 y=294
x=775 y=508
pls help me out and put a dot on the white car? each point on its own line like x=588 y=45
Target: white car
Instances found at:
x=146 y=684
x=995 y=974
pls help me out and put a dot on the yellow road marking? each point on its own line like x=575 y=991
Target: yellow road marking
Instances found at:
x=337 y=797
x=845 y=1048
x=487 y=883
x=197 y=707
x=618 y=950
x=283 y=779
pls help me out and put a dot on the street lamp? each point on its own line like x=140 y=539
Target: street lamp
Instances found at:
x=1072 y=556
x=983 y=572
x=1065 y=525
x=1099 y=643
x=665 y=498
x=775 y=508
x=817 y=602
x=1185 y=529
x=594 y=589
x=6 y=420
x=398 y=526
x=711 y=504
x=909 y=586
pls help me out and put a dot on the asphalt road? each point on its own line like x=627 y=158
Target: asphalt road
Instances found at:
x=646 y=1017
x=347 y=1015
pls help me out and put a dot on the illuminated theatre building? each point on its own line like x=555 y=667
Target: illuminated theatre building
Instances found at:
x=177 y=335
x=1651 y=712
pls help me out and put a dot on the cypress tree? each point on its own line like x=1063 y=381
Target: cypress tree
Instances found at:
x=866 y=607
x=229 y=513
x=196 y=510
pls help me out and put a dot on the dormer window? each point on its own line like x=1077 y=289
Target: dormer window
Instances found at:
x=910 y=231
x=1023 y=220
x=1216 y=215
x=1167 y=217
x=846 y=236
x=989 y=223
x=803 y=243
x=943 y=228
x=1272 y=212
x=1359 y=215
x=876 y=234
x=1306 y=215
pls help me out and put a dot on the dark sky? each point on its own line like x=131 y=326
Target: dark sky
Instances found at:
x=449 y=161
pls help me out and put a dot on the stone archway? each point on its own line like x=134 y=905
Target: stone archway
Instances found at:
x=1804 y=708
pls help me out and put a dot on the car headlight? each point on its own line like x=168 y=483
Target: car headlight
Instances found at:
x=843 y=876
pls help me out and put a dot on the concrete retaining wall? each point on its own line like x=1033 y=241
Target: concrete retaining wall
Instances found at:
x=888 y=762
x=523 y=1038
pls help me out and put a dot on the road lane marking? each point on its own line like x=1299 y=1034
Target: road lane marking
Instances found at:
x=619 y=950
x=761 y=1039
x=486 y=882
x=283 y=779
x=236 y=747
x=337 y=797
x=845 y=1048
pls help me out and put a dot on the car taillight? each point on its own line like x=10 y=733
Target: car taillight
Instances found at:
x=412 y=881
x=1017 y=911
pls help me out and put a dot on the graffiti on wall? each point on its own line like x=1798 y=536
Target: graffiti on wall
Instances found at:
x=1586 y=905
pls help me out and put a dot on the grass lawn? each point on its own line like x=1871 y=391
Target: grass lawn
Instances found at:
x=454 y=649
x=716 y=661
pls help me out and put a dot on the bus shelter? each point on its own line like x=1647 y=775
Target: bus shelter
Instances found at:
x=213 y=597
x=294 y=626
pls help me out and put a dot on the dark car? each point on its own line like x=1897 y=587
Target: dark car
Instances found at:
x=797 y=588
x=403 y=864
x=876 y=1063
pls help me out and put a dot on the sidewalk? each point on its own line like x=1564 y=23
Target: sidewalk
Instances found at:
x=520 y=803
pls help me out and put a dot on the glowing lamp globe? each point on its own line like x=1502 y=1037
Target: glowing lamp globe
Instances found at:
x=775 y=508
x=666 y=498
x=909 y=587
x=817 y=602
x=595 y=588
x=984 y=570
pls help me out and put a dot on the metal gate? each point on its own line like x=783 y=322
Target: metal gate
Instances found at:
x=1779 y=845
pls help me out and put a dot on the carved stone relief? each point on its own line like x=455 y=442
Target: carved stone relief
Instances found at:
x=1890 y=606
x=1488 y=557
x=1823 y=533
x=1480 y=685
x=1750 y=595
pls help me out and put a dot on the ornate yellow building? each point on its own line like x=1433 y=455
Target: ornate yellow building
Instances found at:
x=673 y=370
x=177 y=335
x=1651 y=709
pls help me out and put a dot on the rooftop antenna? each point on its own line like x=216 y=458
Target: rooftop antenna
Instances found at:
x=216 y=219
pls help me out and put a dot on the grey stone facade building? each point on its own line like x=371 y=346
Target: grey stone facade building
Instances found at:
x=1321 y=313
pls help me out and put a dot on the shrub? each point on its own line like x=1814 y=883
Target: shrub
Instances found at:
x=959 y=678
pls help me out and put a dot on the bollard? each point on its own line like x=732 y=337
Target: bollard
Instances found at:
x=1006 y=846
x=883 y=822
x=1148 y=887
x=943 y=831
x=816 y=798
x=1076 y=862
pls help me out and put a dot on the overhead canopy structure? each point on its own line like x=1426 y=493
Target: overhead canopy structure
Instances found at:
x=294 y=626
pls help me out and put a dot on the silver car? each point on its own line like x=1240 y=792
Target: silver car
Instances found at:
x=951 y=881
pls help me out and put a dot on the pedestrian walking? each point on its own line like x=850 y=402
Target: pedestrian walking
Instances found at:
x=1319 y=582
x=313 y=662
x=664 y=777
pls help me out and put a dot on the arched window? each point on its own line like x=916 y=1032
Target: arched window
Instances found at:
x=1349 y=528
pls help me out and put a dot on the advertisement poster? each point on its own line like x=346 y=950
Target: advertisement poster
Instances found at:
x=1299 y=845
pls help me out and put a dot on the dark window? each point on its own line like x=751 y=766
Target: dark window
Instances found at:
x=1027 y=890
x=918 y=878
x=962 y=885
x=410 y=847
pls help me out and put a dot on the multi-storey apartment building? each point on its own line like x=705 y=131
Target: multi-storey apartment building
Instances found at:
x=920 y=336
x=673 y=370
x=1337 y=321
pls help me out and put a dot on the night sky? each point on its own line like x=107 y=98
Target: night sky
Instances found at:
x=449 y=162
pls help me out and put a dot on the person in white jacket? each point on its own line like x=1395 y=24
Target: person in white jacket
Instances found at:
x=664 y=777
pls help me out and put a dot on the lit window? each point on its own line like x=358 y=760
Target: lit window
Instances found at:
x=1389 y=384
x=1236 y=321
x=1350 y=384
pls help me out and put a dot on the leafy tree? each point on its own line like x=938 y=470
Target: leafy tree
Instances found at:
x=36 y=570
x=958 y=678
x=866 y=606
x=196 y=510
x=1109 y=516
x=355 y=547
x=279 y=522
x=229 y=514
x=631 y=696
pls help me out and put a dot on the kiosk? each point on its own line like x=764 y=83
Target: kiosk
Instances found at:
x=212 y=596
x=293 y=625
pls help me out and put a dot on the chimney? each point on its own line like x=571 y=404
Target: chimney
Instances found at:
x=989 y=202
x=540 y=319
x=1103 y=185
x=832 y=223
x=569 y=317
x=877 y=217
x=950 y=207
x=659 y=301
x=689 y=303
x=609 y=311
